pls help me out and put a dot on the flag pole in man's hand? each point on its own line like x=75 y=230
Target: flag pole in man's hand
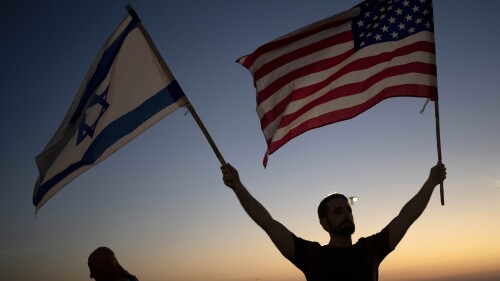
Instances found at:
x=127 y=89
x=205 y=132
x=166 y=69
x=438 y=140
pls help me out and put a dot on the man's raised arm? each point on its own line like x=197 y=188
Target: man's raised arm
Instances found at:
x=279 y=234
x=414 y=208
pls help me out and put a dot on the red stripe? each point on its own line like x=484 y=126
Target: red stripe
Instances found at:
x=348 y=113
x=362 y=63
x=250 y=59
x=355 y=88
x=331 y=41
x=308 y=69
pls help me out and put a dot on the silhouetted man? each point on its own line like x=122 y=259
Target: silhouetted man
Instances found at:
x=104 y=266
x=339 y=260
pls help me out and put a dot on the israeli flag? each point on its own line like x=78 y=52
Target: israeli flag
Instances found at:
x=127 y=89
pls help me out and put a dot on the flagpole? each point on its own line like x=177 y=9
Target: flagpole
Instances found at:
x=188 y=104
x=205 y=132
x=438 y=139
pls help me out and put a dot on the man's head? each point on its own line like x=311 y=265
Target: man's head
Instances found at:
x=335 y=215
x=103 y=264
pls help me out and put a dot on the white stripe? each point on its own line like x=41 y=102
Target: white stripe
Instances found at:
x=302 y=42
x=302 y=81
x=369 y=51
x=314 y=78
x=349 y=78
x=355 y=100
x=359 y=76
x=327 y=53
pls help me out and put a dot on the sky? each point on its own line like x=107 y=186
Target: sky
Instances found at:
x=160 y=203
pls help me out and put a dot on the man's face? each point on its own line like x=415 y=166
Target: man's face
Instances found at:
x=339 y=217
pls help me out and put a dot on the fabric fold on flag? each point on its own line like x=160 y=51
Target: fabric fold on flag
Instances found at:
x=126 y=90
x=339 y=67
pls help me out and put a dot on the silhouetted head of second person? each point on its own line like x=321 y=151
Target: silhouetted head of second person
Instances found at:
x=103 y=264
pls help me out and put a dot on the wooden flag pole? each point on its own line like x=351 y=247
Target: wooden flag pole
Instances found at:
x=205 y=132
x=438 y=139
x=188 y=104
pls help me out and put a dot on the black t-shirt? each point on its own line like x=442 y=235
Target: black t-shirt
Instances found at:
x=358 y=262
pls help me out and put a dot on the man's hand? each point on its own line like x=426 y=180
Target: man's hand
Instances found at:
x=437 y=174
x=230 y=176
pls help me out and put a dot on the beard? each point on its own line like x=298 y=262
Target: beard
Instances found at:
x=346 y=228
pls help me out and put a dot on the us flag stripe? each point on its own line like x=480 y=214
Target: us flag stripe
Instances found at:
x=337 y=68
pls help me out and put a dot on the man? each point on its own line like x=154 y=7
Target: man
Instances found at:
x=104 y=266
x=339 y=259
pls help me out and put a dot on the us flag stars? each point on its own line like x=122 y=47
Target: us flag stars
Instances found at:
x=382 y=21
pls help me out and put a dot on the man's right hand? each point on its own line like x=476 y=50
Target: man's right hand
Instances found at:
x=279 y=234
x=230 y=176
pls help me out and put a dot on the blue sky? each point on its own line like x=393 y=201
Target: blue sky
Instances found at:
x=160 y=202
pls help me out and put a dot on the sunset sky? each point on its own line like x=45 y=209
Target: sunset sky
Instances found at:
x=160 y=202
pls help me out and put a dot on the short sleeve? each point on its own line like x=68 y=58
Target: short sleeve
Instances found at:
x=302 y=247
x=382 y=244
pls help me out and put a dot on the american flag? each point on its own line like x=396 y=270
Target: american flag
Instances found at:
x=339 y=67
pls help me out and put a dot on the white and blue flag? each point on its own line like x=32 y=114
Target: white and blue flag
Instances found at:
x=127 y=89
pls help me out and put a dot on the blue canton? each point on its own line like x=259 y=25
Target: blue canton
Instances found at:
x=390 y=20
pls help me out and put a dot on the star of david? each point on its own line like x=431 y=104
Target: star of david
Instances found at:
x=93 y=113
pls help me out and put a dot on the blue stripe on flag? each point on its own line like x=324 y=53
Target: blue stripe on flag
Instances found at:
x=115 y=131
x=102 y=70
